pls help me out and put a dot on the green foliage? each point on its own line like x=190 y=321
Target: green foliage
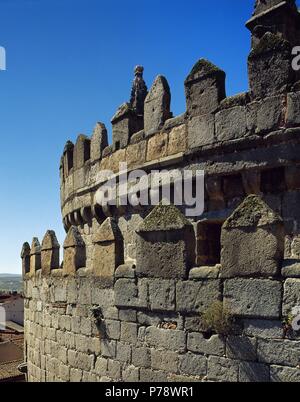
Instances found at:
x=218 y=319
x=287 y=323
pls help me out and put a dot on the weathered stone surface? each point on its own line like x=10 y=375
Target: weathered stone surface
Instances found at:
x=291 y=269
x=274 y=52
x=254 y=372
x=157 y=147
x=25 y=255
x=129 y=332
x=147 y=375
x=165 y=244
x=111 y=329
x=212 y=346
x=125 y=123
x=173 y=378
x=162 y=295
x=137 y=137
x=240 y=99
x=114 y=369
x=253 y=297
x=221 y=369
x=201 y=131
x=60 y=292
x=68 y=158
x=293 y=109
x=129 y=294
x=175 y=121
x=231 y=124
x=148 y=319
x=75 y=375
x=192 y=364
x=253 y=222
x=201 y=273
x=81 y=151
x=123 y=352
x=84 y=293
x=196 y=297
x=177 y=140
x=266 y=115
x=99 y=141
x=50 y=252
x=74 y=252
x=281 y=352
x=131 y=374
x=108 y=348
x=267 y=329
x=266 y=5
x=291 y=296
x=157 y=105
x=141 y=357
x=80 y=360
x=136 y=154
x=164 y=360
x=194 y=324
x=204 y=88
x=35 y=256
x=125 y=271
x=284 y=374
x=108 y=251
x=167 y=339
x=241 y=348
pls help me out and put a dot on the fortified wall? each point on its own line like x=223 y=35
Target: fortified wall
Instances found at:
x=145 y=294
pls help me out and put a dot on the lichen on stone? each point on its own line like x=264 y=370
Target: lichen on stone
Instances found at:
x=252 y=212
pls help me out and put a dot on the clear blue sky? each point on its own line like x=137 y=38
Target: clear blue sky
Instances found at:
x=70 y=64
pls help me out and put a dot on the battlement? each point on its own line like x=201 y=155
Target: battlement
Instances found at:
x=147 y=294
x=214 y=127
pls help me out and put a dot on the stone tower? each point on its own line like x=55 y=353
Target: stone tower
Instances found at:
x=145 y=294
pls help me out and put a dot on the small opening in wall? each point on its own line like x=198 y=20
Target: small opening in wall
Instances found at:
x=98 y=213
x=87 y=150
x=209 y=243
x=117 y=145
x=70 y=160
x=27 y=264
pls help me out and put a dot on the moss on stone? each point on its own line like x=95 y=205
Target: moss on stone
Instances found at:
x=252 y=212
x=203 y=67
x=163 y=218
